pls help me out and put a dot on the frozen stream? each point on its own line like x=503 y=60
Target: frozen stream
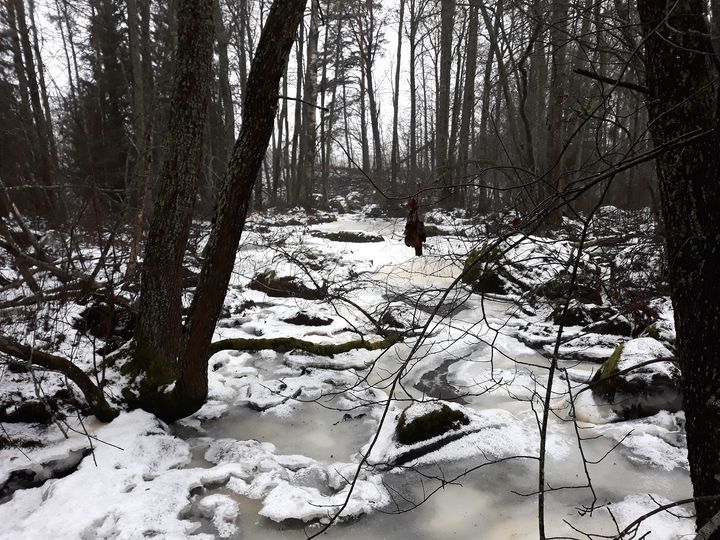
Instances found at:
x=470 y=358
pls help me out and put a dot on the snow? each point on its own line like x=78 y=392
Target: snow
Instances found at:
x=290 y=430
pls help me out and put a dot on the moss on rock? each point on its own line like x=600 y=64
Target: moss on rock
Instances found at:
x=356 y=237
x=481 y=271
x=284 y=286
x=429 y=425
x=610 y=366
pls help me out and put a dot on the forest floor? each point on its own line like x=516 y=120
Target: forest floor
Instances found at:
x=274 y=451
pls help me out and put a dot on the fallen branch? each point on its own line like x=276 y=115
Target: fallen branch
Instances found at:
x=94 y=395
x=286 y=344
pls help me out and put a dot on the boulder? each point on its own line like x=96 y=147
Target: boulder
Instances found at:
x=616 y=326
x=303 y=318
x=482 y=271
x=273 y=285
x=357 y=237
x=432 y=422
x=644 y=391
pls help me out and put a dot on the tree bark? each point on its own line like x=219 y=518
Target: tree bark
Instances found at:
x=442 y=110
x=306 y=164
x=468 y=104
x=683 y=102
x=142 y=120
x=223 y=76
x=159 y=327
x=395 y=157
x=260 y=107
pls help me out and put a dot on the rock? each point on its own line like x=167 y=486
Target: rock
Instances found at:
x=389 y=320
x=557 y=289
x=617 y=326
x=575 y=315
x=355 y=201
x=103 y=320
x=285 y=286
x=30 y=412
x=375 y=212
x=321 y=217
x=482 y=272
x=348 y=236
x=434 y=230
x=338 y=204
x=643 y=391
x=303 y=318
x=434 y=422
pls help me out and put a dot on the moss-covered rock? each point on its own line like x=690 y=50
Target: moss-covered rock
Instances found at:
x=482 y=271
x=429 y=425
x=634 y=388
x=273 y=285
x=356 y=237
x=303 y=318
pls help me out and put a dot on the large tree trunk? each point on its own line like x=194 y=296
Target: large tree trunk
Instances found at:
x=259 y=109
x=159 y=328
x=683 y=104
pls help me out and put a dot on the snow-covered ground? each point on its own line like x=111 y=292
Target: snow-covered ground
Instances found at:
x=276 y=451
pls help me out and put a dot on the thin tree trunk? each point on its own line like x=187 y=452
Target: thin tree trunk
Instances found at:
x=224 y=78
x=395 y=157
x=442 y=109
x=413 y=96
x=468 y=104
x=294 y=186
x=140 y=120
x=306 y=163
x=43 y=89
x=43 y=151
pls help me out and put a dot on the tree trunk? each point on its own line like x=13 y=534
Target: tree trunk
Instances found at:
x=412 y=37
x=553 y=170
x=43 y=89
x=259 y=109
x=159 y=327
x=142 y=121
x=293 y=187
x=468 y=104
x=306 y=163
x=223 y=76
x=30 y=77
x=395 y=157
x=442 y=110
x=683 y=103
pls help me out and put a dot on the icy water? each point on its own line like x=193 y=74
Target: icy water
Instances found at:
x=470 y=352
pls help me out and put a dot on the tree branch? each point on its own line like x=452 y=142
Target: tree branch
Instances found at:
x=94 y=395
x=285 y=344
x=615 y=82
